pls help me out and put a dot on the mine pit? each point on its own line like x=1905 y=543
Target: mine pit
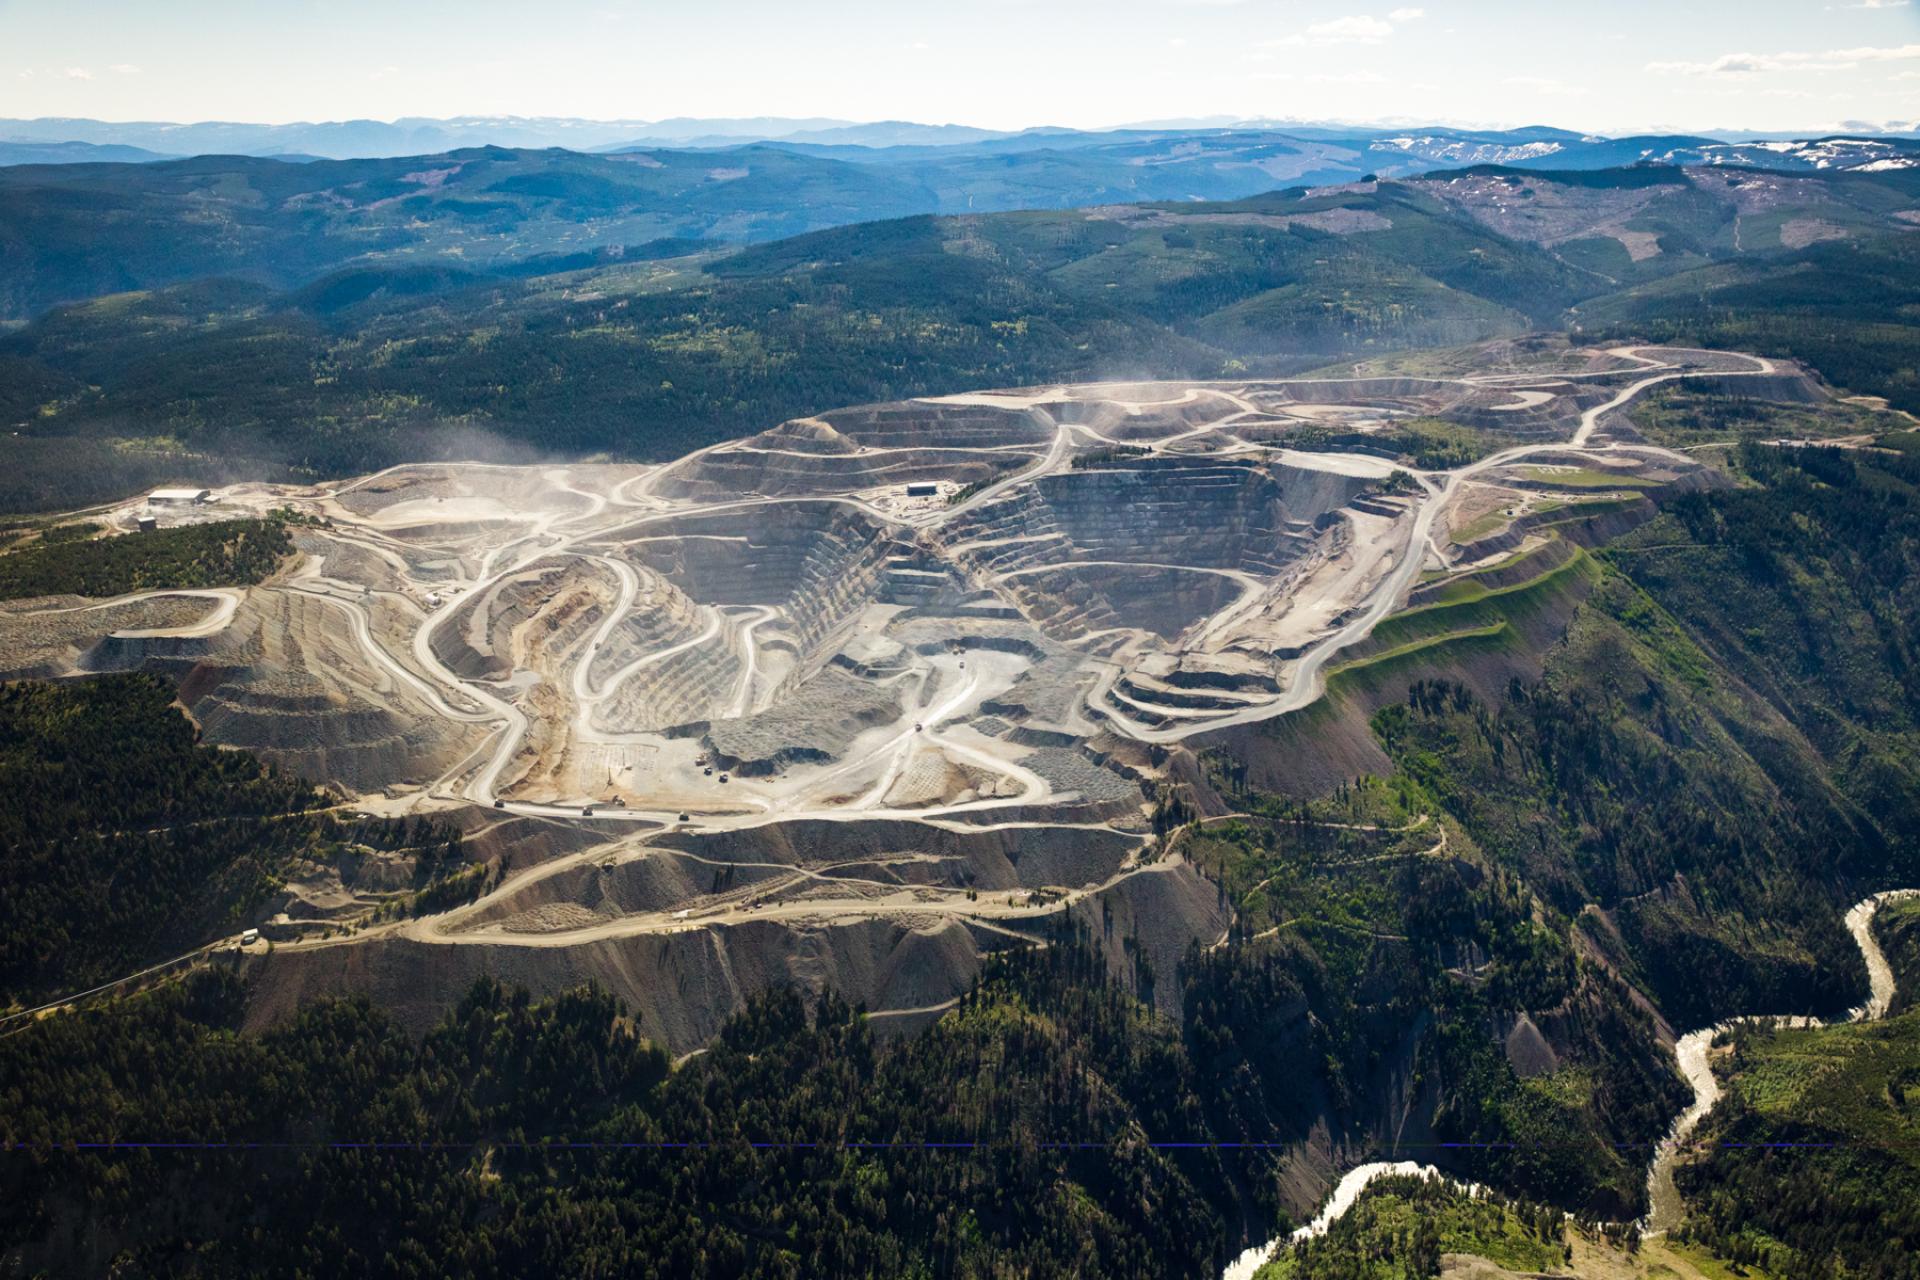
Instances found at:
x=857 y=686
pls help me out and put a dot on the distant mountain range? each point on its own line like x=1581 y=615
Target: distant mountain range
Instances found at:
x=55 y=140
x=343 y=315
x=411 y=136
x=13 y=153
x=70 y=231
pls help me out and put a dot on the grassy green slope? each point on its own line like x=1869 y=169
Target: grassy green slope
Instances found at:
x=1678 y=757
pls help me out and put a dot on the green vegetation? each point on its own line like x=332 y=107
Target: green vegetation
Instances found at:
x=1654 y=770
x=125 y=841
x=1390 y=919
x=1405 y=1228
x=1845 y=307
x=1659 y=805
x=61 y=473
x=223 y=553
x=1897 y=925
x=1400 y=1226
x=1043 y=1052
x=636 y=355
x=1711 y=760
x=44 y=533
x=1582 y=478
x=1421 y=643
x=1431 y=444
x=54 y=535
x=1814 y=1154
x=350 y=229
x=1733 y=705
x=1524 y=595
x=1627 y=767
x=1481 y=527
x=1802 y=584
x=1679 y=417
x=266 y=220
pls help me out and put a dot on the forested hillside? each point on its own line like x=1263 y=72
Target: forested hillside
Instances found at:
x=646 y=359
x=798 y=1145
x=1813 y=1159
x=223 y=553
x=1717 y=754
x=1845 y=308
x=1531 y=832
x=124 y=840
x=76 y=231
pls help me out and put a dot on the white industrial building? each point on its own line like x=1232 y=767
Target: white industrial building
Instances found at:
x=179 y=497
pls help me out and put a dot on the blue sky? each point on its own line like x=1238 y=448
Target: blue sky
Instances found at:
x=1625 y=65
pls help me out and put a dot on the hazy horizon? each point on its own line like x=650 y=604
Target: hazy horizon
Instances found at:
x=992 y=64
x=805 y=124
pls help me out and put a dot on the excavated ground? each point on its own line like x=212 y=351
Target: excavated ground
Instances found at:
x=858 y=699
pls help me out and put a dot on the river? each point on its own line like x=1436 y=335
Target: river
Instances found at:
x=1665 y=1206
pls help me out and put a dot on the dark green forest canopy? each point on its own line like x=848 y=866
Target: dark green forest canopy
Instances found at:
x=224 y=553
x=1814 y=1156
x=1042 y=1051
x=124 y=840
x=1062 y=1080
x=1722 y=752
x=647 y=357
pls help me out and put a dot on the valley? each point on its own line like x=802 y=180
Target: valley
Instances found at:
x=783 y=696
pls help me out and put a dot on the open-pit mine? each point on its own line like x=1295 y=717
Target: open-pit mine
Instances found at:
x=857 y=700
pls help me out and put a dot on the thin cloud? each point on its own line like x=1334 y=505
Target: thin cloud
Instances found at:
x=124 y=69
x=1358 y=29
x=1757 y=63
x=78 y=73
x=1414 y=15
